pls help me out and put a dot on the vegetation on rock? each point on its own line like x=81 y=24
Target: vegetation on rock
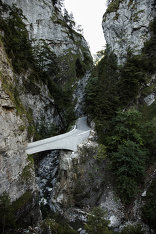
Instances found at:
x=127 y=152
x=97 y=224
x=128 y=136
x=114 y=94
x=16 y=40
x=130 y=229
x=7 y=219
x=58 y=73
x=56 y=227
x=148 y=210
x=113 y=6
x=9 y=212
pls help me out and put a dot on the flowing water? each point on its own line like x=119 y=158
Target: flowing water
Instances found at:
x=47 y=172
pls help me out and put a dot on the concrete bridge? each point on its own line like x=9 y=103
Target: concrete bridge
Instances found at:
x=68 y=141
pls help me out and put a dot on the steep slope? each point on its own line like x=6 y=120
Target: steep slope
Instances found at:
x=44 y=21
x=129 y=29
x=17 y=177
x=126 y=25
x=62 y=54
x=120 y=98
x=36 y=95
x=36 y=98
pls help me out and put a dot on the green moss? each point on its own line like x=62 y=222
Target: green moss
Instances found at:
x=73 y=66
x=22 y=201
x=56 y=227
x=135 y=17
x=8 y=87
x=102 y=153
x=61 y=22
x=13 y=94
x=27 y=172
x=112 y=7
x=97 y=222
x=31 y=159
x=31 y=127
x=11 y=90
x=7 y=215
x=16 y=42
x=116 y=16
x=19 y=106
x=9 y=212
x=148 y=210
x=22 y=128
x=67 y=66
x=130 y=229
x=130 y=3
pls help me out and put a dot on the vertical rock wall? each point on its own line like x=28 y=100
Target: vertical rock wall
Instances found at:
x=126 y=25
x=45 y=22
x=13 y=139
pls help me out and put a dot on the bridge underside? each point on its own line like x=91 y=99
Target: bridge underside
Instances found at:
x=41 y=148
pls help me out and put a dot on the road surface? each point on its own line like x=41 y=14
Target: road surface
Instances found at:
x=68 y=141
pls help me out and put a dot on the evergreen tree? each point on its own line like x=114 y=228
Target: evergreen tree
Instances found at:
x=128 y=153
x=148 y=210
x=69 y=18
x=7 y=219
x=16 y=39
x=97 y=224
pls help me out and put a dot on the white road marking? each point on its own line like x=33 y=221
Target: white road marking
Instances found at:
x=83 y=132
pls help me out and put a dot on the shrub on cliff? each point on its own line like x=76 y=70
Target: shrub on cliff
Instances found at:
x=97 y=224
x=125 y=133
x=130 y=229
x=7 y=218
x=129 y=148
x=39 y=59
x=148 y=210
x=101 y=92
x=127 y=152
x=128 y=166
x=49 y=225
x=16 y=40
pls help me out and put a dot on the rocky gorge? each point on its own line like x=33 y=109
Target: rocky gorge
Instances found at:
x=54 y=192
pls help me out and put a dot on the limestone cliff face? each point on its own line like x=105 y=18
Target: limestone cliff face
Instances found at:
x=84 y=182
x=45 y=21
x=13 y=139
x=36 y=100
x=126 y=25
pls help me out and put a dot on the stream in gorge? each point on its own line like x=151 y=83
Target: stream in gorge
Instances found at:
x=47 y=168
x=46 y=176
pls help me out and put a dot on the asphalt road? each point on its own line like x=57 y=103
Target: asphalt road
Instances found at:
x=69 y=140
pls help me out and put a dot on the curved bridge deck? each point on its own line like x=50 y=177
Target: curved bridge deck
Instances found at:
x=68 y=141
